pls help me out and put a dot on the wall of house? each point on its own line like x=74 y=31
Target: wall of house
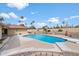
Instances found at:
x=11 y=32
x=17 y=31
x=55 y=31
x=0 y=32
x=21 y=31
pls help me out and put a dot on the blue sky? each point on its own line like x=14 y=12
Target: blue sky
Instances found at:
x=49 y=14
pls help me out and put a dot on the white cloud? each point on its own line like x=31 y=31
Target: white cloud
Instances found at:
x=9 y=15
x=72 y=17
x=65 y=19
x=39 y=25
x=5 y=15
x=32 y=13
x=13 y=15
x=19 y=5
x=54 y=20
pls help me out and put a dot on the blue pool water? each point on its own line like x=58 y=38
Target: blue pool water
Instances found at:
x=45 y=38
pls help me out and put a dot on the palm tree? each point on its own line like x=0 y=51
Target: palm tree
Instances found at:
x=22 y=17
x=32 y=25
x=32 y=22
x=65 y=23
x=20 y=21
x=45 y=29
x=57 y=26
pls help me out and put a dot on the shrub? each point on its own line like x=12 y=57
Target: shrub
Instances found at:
x=60 y=30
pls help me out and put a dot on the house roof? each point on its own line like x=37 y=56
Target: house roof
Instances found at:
x=16 y=27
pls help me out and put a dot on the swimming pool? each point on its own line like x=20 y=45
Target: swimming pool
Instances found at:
x=45 y=38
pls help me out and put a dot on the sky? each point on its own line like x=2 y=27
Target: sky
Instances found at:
x=43 y=14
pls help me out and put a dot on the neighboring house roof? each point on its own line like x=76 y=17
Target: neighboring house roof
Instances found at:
x=16 y=27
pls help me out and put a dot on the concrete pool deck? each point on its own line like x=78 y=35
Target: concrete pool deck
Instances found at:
x=33 y=49
x=32 y=45
x=69 y=48
x=25 y=45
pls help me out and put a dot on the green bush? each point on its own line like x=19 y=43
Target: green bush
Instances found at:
x=60 y=30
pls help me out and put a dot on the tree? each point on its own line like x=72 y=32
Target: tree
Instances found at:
x=1 y=19
x=57 y=26
x=45 y=29
x=54 y=27
x=77 y=26
x=32 y=25
x=32 y=22
x=21 y=22
x=61 y=26
x=65 y=24
x=22 y=17
x=46 y=26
